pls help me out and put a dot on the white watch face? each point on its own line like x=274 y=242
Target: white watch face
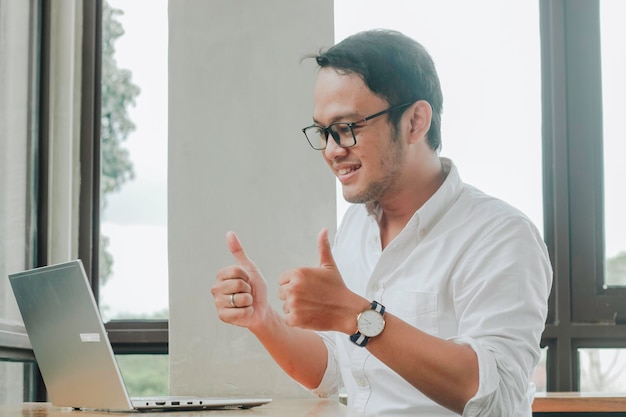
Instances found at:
x=370 y=323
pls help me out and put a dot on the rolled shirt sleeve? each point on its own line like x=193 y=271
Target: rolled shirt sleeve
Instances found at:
x=331 y=381
x=501 y=297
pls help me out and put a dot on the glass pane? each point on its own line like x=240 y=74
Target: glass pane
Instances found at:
x=540 y=378
x=16 y=167
x=613 y=32
x=15 y=384
x=133 y=255
x=602 y=370
x=491 y=123
x=18 y=59
x=145 y=375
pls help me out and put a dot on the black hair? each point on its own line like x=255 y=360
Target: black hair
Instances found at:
x=394 y=67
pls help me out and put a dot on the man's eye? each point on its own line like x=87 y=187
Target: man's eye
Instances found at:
x=342 y=129
x=319 y=132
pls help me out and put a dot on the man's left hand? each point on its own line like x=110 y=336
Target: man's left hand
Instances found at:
x=317 y=298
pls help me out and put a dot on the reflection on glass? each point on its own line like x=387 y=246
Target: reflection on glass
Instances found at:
x=133 y=258
x=602 y=370
x=613 y=32
x=145 y=375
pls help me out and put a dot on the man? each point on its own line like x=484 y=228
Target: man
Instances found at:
x=433 y=299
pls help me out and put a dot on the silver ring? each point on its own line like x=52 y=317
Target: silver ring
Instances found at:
x=232 y=301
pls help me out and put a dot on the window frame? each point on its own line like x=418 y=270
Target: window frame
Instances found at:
x=582 y=312
x=127 y=336
x=14 y=343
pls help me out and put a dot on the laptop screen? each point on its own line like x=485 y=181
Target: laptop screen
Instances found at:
x=68 y=337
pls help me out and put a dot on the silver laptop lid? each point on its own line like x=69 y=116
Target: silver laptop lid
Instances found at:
x=68 y=337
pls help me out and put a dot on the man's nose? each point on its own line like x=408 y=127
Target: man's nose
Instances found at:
x=333 y=149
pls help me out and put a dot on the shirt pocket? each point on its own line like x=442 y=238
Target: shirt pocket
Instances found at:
x=419 y=309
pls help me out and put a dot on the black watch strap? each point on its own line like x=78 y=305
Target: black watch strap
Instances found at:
x=360 y=339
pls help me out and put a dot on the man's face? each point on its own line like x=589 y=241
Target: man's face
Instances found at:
x=367 y=171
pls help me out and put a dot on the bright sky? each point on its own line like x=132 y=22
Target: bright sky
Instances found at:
x=135 y=220
x=487 y=55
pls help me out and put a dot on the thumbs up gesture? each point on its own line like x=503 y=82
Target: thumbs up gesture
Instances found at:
x=240 y=291
x=317 y=298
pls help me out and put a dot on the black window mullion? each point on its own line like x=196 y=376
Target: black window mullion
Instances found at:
x=555 y=163
x=89 y=213
x=584 y=110
x=556 y=192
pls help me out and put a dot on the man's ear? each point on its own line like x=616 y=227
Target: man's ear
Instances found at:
x=421 y=116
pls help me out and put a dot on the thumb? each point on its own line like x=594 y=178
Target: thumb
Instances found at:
x=323 y=246
x=235 y=247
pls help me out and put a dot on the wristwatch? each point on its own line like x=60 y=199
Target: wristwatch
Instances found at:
x=369 y=323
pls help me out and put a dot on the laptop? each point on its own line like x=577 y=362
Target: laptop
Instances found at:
x=73 y=350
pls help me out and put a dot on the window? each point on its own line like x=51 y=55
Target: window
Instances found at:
x=18 y=200
x=133 y=223
x=133 y=269
x=601 y=362
x=602 y=370
x=613 y=63
x=607 y=268
x=585 y=313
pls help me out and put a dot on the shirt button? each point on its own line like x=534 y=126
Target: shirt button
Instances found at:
x=375 y=287
x=361 y=382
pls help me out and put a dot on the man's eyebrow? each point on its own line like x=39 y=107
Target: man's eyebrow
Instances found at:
x=347 y=118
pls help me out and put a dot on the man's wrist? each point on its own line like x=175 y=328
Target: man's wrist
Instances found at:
x=350 y=326
x=267 y=322
x=370 y=323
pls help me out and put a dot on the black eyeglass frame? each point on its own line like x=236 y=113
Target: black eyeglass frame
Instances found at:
x=335 y=135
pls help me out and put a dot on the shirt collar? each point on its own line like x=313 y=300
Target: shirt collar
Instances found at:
x=429 y=214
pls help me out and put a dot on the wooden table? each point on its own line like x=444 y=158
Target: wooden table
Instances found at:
x=553 y=404
x=579 y=404
x=277 y=408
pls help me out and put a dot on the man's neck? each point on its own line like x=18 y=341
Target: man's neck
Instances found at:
x=397 y=210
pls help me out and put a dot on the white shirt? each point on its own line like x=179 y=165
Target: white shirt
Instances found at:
x=467 y=268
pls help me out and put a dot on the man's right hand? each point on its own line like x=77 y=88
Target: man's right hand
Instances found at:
x=240 y=292
x=300 y=353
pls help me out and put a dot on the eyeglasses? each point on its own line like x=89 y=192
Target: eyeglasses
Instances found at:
x=342 y=133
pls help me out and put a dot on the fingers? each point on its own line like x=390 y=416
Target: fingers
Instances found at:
x=237 y=300
x=238 y=316
x=236 y=285
x=231 y=280
x=233 y=300
x=326 y=255
x=240 y=292
x=236 y=248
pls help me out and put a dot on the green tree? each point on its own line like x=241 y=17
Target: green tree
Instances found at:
x=118 y=94
x=616 y=269
x=145 y=375
x=607 y=378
